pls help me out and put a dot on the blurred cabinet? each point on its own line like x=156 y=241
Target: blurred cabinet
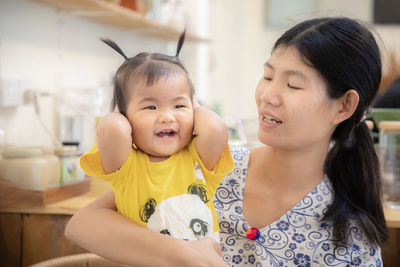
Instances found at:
x=391 y=249
x=30 y=238
x=30 y=235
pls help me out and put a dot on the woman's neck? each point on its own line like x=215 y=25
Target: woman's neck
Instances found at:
x=290 y=168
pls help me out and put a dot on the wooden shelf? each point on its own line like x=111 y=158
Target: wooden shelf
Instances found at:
x=13 y=196
x=94 y=188
x=115 y=15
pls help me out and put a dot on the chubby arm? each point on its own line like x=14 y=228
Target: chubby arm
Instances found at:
x=100 y=229
x=114 y=140
x=212 y=135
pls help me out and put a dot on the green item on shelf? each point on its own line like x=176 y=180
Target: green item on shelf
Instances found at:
x=384 y=114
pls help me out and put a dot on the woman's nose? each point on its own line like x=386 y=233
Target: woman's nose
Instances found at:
x=271 y=94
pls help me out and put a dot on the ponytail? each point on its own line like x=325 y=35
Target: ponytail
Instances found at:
x=352 y=166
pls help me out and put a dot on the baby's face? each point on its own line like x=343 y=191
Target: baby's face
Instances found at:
x=161 y=116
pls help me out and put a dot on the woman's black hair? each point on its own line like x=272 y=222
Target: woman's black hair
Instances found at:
x=346 y=54
x=147 y=66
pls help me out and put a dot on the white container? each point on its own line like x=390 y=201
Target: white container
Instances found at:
x=25 y=167
x=54 y=167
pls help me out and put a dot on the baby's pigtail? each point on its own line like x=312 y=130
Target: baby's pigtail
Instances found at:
x=180 y=43
x=114 y=46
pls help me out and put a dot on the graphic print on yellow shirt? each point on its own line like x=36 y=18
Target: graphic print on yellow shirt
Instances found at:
x=172 y=197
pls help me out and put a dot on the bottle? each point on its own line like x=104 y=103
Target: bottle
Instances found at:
x=389 y=147
x=69 y=162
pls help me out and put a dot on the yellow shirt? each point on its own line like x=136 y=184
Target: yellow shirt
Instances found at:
x=172 y=197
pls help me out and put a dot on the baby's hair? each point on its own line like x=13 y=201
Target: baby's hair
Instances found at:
x=115 y=47
x=147 y=66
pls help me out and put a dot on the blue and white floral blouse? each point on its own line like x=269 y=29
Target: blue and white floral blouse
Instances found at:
x=298 y=238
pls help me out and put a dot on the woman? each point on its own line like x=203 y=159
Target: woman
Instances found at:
x=311 y=195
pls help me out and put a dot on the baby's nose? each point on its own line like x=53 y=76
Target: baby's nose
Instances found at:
x=166 y=117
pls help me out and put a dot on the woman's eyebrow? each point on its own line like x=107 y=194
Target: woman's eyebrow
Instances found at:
x=288 y=72
x=268 y=65
x=296 y=73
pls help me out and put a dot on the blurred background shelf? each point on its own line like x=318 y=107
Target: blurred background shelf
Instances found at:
x=16 y=197
x=118 y=16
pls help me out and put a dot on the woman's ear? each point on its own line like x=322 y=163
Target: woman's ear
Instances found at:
x=347 y=105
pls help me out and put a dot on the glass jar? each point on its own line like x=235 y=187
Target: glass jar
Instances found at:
x=69 y=161
x=389 y=146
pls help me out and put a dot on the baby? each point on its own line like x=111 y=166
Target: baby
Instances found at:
x=162 y=152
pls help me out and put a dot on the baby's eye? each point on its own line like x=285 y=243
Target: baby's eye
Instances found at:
x=179 y=106
x=150 y=107
x=268 y=78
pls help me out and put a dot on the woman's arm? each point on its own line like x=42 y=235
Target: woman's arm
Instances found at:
x=212 y=135
x=101 y=230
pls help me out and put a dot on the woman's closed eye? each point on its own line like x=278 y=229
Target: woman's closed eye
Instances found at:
x=267 y=78
x=293 y=87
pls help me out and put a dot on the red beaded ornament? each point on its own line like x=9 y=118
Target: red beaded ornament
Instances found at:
x=253 y=233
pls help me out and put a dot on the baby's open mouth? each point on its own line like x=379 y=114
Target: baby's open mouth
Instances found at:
x=166 y=133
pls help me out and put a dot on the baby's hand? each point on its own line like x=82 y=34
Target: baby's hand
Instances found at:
x=114 y=140
x=114 y=121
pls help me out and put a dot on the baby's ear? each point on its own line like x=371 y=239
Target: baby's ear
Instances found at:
x=147 y=209
x=199 y=190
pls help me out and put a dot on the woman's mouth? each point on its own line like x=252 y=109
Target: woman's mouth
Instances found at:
x=270 y=119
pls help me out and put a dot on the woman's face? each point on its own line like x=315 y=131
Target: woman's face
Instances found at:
x=294 y=108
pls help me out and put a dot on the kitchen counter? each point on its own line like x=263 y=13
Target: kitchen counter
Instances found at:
x=392 y=218
x=68 y=206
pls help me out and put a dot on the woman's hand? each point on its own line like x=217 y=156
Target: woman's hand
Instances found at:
x=202 y=253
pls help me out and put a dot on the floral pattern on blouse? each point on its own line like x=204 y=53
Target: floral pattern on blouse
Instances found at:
x=298 y=238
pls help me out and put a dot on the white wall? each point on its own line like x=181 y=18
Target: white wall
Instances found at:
x=52 y=51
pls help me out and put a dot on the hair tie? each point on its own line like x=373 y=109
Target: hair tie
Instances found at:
x=114 y=46
x=180 y=43
x=363 y=118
